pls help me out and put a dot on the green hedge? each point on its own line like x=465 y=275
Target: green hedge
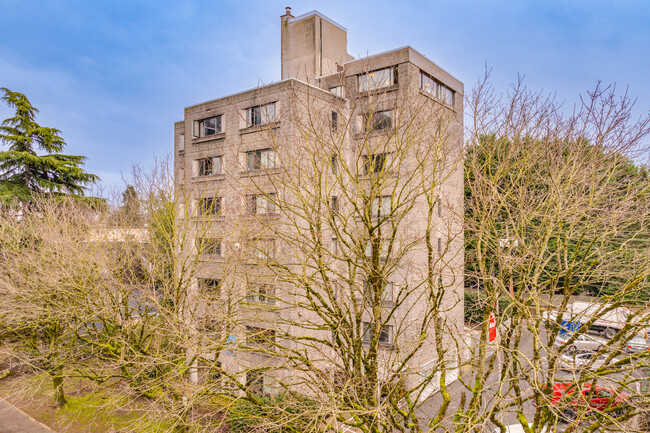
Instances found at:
x=274 y=414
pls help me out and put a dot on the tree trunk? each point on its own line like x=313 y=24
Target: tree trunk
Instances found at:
x=59 y=396
x=28 y=176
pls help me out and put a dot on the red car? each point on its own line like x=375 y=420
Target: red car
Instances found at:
x=588 y=400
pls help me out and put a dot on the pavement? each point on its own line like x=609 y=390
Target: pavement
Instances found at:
x=456 y=389
x=14 y=420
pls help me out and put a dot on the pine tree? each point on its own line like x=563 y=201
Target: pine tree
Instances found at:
x=130 y=210
x=23 y=172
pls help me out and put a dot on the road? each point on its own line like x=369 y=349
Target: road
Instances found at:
x=430 y=407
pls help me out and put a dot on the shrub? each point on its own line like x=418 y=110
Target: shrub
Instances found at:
x=282 y=413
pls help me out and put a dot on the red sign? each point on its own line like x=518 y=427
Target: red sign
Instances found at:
x=492 y=329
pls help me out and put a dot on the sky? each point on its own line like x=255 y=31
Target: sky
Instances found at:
x=114 y=75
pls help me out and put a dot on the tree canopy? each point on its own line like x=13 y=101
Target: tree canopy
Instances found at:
x=521 y=166
x=23 y=172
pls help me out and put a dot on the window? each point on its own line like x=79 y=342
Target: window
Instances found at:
x=603 y=393
x=377 y=163
x=385 y=335
x=428 y=84
x=263 y=249
x=377 y=79
x=260 y=337
x=214 y=371
x=208 y=246
x=261 y=204
x=387 y=294
x=335 y=163
x=255 y=382
x=261 y=294
x=380 y=207
x=335 y=246
x=381 y=245
x=210 y=206
x=446 y=94
x=334 y=204
x=439 y=208
x=338 y=91
x=261 y=114
x=207 y=127
x=260 y=159
x=209 y=286
x=436 y=89
x=208 y=166
x=334 y=122
x=378 y=120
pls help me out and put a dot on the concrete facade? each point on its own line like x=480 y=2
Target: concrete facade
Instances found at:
x=273 y=149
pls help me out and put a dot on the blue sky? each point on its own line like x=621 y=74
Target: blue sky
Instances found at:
x=113 y=75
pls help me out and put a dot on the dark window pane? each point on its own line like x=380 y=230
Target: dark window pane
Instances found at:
x=255 y=382
x=209 y=285
x=210 y=126
x=384 y=335
x=256 y=116
x=210 y=206
x=335 y=120
x=253 y=160
x=382 y=120
x=205 y=167
x=334 y=204
x=209 y=246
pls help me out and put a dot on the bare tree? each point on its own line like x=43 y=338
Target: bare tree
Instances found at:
x=553 y=209
x=49 y=274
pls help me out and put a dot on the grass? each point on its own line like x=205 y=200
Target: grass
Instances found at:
x=90 y=408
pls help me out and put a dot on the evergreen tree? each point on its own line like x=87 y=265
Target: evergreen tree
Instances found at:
x=523 y=164
x=22 y=171
x=129 y=213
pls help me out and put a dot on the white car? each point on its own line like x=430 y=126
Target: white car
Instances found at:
x=637 y=344
x=579 y=359
x=581 y=342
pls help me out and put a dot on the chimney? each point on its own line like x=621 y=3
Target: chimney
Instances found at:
x=287 y=14
x=311 y=46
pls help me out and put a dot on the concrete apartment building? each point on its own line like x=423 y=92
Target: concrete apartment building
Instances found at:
x=286 y=182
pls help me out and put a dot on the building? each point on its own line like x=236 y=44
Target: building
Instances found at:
x=339 y=186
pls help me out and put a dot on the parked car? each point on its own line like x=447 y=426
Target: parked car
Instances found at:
x=637 y=344
x=587 y=400
x=581 y=341
x=579 y=359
